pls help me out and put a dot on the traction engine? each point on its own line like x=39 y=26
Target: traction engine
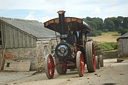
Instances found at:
x=74 y=49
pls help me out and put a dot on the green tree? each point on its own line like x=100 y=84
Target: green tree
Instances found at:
x=95 y=33
x=119 y=24
x=117 y=21
x=125 y=22
x=88 y=19
x=99 y=23
x=109 y=24
x=95 y=23
x=122 y=30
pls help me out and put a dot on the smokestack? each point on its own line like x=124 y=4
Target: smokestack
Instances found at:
x=61 y=22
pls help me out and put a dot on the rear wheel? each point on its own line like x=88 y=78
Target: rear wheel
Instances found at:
x=101 y=61
x=61 y=70
x=49 y=66
x=90 y=57
x=97 y=62
x=80 y=63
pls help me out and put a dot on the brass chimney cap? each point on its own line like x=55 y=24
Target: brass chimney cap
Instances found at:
x=61 y=12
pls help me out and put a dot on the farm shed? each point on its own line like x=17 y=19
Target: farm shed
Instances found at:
x=123 y=45
x=25 y=40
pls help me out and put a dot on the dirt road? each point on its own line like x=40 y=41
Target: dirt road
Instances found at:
x=112 y=73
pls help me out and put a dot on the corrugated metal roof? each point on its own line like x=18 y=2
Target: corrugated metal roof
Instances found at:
x=123 y=36
x=32 y=27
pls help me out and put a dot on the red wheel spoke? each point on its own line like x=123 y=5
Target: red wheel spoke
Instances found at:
x=49 y=67
x=82 y=63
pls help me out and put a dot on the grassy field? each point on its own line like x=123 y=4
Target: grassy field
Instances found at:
x=106 y=37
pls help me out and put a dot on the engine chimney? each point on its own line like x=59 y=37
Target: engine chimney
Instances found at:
x=62 y=23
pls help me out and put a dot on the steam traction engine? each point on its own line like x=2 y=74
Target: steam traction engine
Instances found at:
x=74 y=49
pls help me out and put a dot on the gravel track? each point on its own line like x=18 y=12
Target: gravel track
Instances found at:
x=112 y=73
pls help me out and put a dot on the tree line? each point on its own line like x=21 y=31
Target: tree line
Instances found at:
x=118 y=24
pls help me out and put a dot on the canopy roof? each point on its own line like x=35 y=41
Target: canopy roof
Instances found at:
x=71 y=23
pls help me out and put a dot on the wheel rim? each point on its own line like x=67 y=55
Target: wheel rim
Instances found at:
x=82 y=63
x=94 y=59
x=50 y=66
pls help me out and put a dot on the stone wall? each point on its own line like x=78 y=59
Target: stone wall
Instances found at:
x=35 y=55
x=110 y=54
x=21 y=54
x=40 y=52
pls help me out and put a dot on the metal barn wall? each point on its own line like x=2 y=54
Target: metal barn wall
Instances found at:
x=125 y=46
x=15 y=38
x=120 y=48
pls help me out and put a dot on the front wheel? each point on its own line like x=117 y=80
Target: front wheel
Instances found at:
x=49 y=66
x=61 y=70
x=80 y=63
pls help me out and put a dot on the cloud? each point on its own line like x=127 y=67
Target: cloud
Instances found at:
x=44 y=19
x=107 y=1
x=75 y=8
x=115 y=11
x=96 y=12
x=49 y=5
x=30 y=17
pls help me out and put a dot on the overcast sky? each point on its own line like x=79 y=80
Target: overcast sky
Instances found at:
x=43 y=10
